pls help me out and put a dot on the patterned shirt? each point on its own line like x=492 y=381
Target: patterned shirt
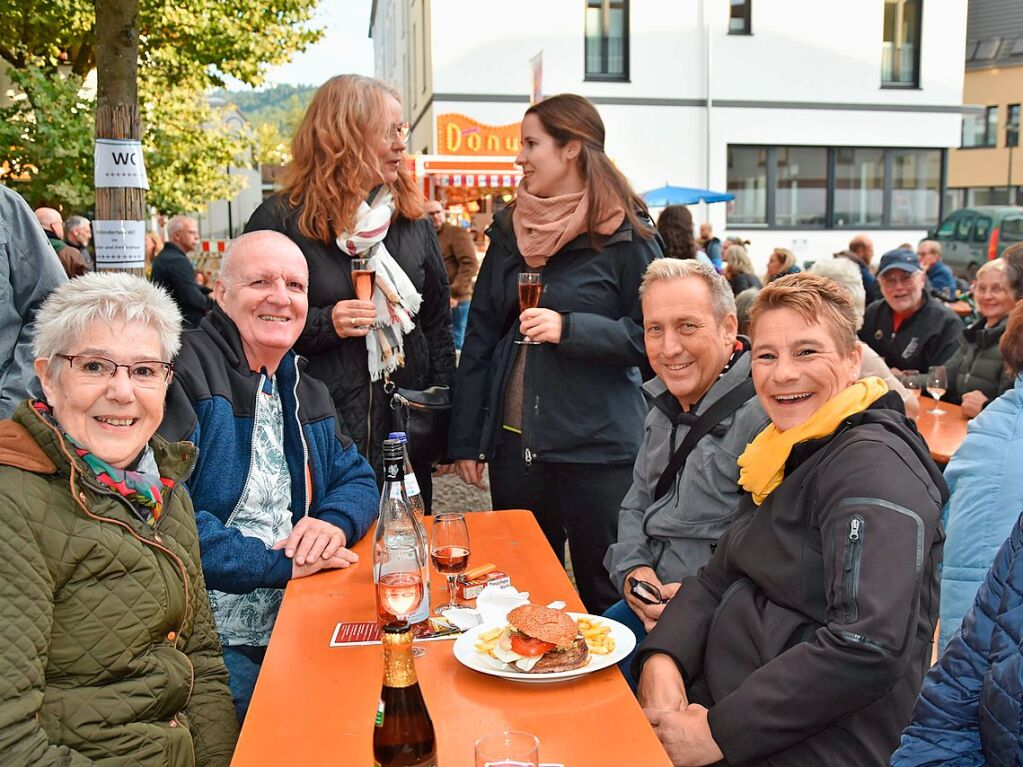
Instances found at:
x=263 y=512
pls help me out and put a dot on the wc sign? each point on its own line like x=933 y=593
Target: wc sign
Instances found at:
x=119 y=164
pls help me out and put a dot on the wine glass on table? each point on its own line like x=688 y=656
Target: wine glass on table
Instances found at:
x=449 y=550
x=530 y=287
x=399 y=583
x=937 y=385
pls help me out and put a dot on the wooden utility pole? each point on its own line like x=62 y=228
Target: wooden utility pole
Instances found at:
x=117 y=102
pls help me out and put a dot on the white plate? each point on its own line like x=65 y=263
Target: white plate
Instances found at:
x=466 y=654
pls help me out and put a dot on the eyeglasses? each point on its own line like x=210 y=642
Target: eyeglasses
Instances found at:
x=397 y=131
x=645 y=592
x=98 y=370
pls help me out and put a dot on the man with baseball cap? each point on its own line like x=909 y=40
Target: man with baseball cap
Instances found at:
x=909 y=328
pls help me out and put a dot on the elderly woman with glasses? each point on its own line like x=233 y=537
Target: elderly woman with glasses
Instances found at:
x=348 y=194
x=108 y=645
x=805 y=638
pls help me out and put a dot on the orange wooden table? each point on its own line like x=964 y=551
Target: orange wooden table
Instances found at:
x=962 y=308
x=315 y=705
x=943 y=433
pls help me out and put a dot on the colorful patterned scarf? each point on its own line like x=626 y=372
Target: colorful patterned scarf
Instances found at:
x=142 y=486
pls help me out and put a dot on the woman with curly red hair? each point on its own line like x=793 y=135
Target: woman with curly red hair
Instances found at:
x=348 y=193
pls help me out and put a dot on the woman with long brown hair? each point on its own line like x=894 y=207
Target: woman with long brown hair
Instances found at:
x=348 y=193
x=559 y=422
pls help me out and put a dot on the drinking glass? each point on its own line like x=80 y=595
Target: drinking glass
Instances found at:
x=508 y=749
x=449 y=550
x=911 y=380
x=364 y=276
x=529 y=297
x=400 y=583
x=937 y=384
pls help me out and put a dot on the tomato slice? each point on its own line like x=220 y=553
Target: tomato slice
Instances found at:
x=529 y=646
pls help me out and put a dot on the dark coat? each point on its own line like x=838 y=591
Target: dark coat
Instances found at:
x=741 y=282
x=978 y=364
x=341 y=363
x=808 y=632
x=172 y=270
x=970 y=710
x=586 y=405
x=929 y=337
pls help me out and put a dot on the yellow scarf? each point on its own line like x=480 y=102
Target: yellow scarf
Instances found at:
x=762 y=463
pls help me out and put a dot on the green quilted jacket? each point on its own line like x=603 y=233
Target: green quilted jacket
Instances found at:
x=108 y=651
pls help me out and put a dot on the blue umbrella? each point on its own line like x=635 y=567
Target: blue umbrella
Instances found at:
x=683 y=195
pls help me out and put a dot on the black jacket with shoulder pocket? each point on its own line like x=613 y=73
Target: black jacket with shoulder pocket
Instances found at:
x=809 y=632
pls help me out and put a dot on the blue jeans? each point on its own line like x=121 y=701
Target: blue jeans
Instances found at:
x=621 y=612
x=459 y=319
x=243 y=664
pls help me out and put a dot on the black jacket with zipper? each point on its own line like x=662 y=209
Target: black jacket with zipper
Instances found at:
x=582 y=401
x=809 y=631
x=927 y=338
x=363 y=410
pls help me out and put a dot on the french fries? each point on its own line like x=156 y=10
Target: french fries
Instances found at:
x=597 y=635
x=488 y=641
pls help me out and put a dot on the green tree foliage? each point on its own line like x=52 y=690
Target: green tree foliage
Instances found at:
x=274 y=113
x=186 y=48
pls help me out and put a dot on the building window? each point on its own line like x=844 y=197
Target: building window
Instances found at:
x=980 y=129
x=859 y=187
x=1012 y=125
x=900 y=52
x=739 y=17
x=834 y=187
x=801 y=188
x=607 y=39
x=915 y=187
x=747 y=180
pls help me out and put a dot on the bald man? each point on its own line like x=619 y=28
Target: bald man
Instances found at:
x=70 y=257
x=279 y=493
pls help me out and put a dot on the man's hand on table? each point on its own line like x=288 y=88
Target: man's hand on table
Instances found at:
x=648 y=613
x=685 y=735
x=973 y=403
x=342 y=558
x=312 y=539
x=661 y=686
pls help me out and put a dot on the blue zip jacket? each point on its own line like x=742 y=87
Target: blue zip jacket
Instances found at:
x=986 y=483
x=970 y=709
x=211 y=403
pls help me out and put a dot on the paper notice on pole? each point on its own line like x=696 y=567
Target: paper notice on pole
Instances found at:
x=119 y=164
x=120 y=244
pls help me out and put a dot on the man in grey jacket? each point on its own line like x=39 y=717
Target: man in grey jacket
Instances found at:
x=29 y=270
x=690 y=332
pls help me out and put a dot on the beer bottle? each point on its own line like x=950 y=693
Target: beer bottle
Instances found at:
x=403 y=735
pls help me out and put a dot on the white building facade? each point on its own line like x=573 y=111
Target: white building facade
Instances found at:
x=823 y=118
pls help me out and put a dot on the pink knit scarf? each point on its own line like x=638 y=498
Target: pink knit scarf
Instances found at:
x=544 y=225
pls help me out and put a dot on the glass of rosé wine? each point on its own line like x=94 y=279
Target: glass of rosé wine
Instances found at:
x=449 y=550
x=400 y=584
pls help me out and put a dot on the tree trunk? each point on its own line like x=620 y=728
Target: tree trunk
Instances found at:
x=117 y=108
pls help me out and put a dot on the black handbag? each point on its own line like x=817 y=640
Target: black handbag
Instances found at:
x=424 y=415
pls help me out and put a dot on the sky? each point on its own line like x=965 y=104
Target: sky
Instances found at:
x=344 y=48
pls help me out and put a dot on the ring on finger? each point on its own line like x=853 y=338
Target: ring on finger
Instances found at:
x=353 y=322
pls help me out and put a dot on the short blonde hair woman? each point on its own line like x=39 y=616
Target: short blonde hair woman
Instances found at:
x=782 y=262
x=739 y=270
x=820 y=602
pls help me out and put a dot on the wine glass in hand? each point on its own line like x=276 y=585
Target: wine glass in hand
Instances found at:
x=529 y=297
x=937 y=384
x=400 y=584
x=449 y=550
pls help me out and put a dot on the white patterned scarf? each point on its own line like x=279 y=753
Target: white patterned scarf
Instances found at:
x=396 y=299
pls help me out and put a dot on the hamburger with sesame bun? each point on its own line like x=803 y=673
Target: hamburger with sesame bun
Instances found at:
x=539 y=640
